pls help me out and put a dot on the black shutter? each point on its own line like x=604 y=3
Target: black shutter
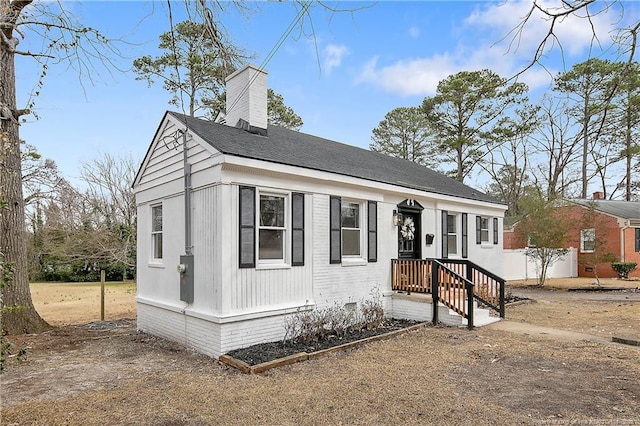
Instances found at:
x=638 y=239
x=465 y=236
x=445 y=235
x=335 y=237
x=247 y=231
x=297 y=229
x=495 y=230
x=478 y=230
x=372 y=224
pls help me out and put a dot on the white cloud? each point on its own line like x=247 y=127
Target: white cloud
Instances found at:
x=408 y=77
x=333 y=55
x=486 y=42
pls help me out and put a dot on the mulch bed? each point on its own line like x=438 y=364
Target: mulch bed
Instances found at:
x=265 y=352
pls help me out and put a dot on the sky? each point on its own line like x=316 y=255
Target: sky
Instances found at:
x=341 y=78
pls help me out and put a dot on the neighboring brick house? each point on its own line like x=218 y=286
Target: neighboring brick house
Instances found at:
x=614 y=225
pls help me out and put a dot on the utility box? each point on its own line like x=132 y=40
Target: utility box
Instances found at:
x=185 y=268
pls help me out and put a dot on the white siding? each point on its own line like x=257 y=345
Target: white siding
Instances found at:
x=236 y=307
x=338 y=283
x=205 y=244
x=251 y=289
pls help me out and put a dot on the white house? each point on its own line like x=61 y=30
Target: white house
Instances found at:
x=242 y=224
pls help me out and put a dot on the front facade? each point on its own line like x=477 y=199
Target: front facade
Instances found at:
x=272 y=222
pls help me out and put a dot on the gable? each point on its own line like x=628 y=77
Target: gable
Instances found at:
x=164 y=159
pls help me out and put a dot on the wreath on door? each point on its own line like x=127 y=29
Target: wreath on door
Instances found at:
x=408 y=229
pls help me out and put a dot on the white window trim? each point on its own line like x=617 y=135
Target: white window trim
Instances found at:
x=488 y=241
x=583 y=239
x=156 y=261
x=360 y=259
x=284 y=263
x=458 y=222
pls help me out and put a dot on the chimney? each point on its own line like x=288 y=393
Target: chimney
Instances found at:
x=247 y=99
x=598 y=195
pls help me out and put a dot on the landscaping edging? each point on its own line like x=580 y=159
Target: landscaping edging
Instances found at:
x=603 y=289
x=303 y=356
x=626 y=340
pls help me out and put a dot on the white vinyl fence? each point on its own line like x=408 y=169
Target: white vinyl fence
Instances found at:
x=518 y=266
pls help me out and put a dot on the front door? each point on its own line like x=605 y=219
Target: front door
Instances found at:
x=408 y=235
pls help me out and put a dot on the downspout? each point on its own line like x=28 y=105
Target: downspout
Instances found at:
x=187 y=196
x=622 y=241
x=186 y=266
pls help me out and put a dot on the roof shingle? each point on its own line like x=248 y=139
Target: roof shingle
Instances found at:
x=284 y=146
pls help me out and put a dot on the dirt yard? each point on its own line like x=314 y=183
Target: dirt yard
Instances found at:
x=82 y=374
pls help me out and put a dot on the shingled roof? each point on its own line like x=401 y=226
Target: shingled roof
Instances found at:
x=284 y=146
x=622 y=209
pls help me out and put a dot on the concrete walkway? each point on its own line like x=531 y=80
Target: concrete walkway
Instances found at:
x=548 y=332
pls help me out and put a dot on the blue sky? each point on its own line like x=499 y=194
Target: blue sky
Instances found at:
x=342 y=82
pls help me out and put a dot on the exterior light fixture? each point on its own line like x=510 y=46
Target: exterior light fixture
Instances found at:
x=397 y=218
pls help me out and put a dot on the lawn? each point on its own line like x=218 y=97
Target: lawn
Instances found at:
x=77 y=375
x=72 y=303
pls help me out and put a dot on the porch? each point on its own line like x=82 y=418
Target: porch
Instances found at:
x=464 y=288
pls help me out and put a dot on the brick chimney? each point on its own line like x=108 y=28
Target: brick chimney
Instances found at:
x=598 y=195
x=247 y=99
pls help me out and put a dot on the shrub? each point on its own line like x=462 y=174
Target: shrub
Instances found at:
x=311 y=326
x=624 y=268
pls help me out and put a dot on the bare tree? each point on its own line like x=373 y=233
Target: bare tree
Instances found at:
x=552 y=15
x=543 y=230
x=590 y=87
x=555 y=173
x=112 y=201
x=509 y=170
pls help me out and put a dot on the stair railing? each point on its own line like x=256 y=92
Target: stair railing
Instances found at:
x=489 y=288
x=452 y=290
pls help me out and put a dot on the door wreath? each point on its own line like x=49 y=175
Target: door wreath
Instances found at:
x=408 y=229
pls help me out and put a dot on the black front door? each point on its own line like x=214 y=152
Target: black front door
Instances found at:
x=409 y=235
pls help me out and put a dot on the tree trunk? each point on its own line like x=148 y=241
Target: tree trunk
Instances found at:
x=627 y=152
x=585 y=147
x=18 y=314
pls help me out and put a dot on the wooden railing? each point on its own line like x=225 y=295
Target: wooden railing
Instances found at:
x=488 y=287
x=452 y=289
x=459 y=282
x=411 y=275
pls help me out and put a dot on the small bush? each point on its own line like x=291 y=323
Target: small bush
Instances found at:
x=312 y=326
x=623 y=269
x=372 y=312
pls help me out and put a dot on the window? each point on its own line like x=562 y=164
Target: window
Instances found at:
x=274 y=224
x=349 y=235
x=638 y=239
x=272 y=228
x=482 y=230
x=587 y=240
x=156 y=232
x=350 y=227
x=452 y=234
